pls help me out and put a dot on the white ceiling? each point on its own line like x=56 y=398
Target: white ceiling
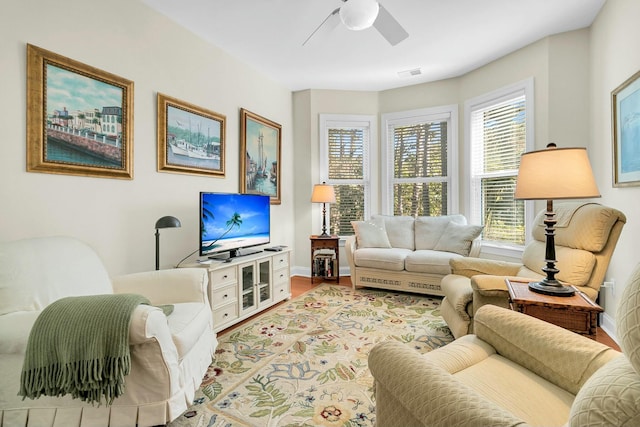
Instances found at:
x=447 y=38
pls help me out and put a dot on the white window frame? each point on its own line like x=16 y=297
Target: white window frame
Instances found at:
x=336 y=121
x=443 y=113
x=526 y=88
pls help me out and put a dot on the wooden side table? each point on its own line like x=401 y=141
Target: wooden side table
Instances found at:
x=325 y=257
x=576 y=313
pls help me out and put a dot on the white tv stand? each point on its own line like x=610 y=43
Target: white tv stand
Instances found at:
x=243 y=286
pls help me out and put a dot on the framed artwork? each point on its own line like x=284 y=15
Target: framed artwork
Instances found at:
x=625 y=100
x=260 y=145
x=79 y=118
x=191 y=139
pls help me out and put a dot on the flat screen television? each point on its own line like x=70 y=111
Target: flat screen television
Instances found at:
x=230 y=222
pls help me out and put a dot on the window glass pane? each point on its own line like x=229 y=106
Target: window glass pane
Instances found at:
x=420 y=150
x=349 y=207
x=420 y=199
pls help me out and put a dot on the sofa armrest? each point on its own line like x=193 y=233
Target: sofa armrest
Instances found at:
x=410 y=389
x=350 y=247
x=469 y=266
x=166 y=286
x=556 y=354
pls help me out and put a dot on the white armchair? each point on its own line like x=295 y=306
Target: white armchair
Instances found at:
x=169 y=354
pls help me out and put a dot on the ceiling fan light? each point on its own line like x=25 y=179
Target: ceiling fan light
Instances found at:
x=359 y=14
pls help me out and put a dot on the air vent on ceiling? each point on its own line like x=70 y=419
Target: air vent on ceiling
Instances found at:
x=410 y=73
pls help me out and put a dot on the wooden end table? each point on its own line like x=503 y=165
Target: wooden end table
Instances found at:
x=576 y=313
x=329 y=267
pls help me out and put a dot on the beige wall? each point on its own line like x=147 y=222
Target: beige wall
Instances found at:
x=117 y=217
x=615 y=56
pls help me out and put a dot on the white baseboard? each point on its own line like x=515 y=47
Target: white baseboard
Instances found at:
x=608 y=324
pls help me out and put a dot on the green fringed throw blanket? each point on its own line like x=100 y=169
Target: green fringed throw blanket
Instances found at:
x=80 y=346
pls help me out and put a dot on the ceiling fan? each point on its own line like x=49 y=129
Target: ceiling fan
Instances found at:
x=361 y=14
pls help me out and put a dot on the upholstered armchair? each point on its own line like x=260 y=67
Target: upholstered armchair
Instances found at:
x=515 y=370
x=585 y=238
x=169 y=353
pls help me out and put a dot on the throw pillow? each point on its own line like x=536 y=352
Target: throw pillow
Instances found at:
x=457 y=238
x=371 y=234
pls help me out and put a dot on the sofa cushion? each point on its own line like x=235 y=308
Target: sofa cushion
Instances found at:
x=384 y=259
x=429 y=229
x=575 y=265
x=371 y=234
x=14 y=330
x=400 y=230
x=426 y=261
x=457 y=238
x=187 y=323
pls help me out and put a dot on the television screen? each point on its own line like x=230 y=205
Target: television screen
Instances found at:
x=229 y=222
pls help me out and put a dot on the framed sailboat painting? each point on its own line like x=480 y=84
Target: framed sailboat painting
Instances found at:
x=191 y=139
x=260 y=146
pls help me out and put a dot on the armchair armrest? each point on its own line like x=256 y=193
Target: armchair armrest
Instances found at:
x=556 y=354
x=470 y=266
x=410 y=389
x=166 y=286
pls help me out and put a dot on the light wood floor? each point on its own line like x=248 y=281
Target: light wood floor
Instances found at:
x=301 y=284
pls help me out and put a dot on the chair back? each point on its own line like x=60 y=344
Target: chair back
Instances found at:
x=586 y=235
x=36 y=272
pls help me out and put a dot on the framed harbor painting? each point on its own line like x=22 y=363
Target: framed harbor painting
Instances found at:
x=79 y=118
x=260 y=146
x=191 y=139
x=625 y=100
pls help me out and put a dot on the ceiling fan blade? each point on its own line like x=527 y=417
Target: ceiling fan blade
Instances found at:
x=390 y=29
x=329 y=23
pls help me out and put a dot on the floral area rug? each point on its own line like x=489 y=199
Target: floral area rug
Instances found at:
x=304 y=363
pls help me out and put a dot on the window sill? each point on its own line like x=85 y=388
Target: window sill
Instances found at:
x=494 y=250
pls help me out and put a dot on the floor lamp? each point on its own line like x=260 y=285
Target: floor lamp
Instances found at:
x=554 y=173
x=323 y=193
x=164 y=222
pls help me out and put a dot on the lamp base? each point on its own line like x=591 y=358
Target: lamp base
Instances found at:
x=556 y=290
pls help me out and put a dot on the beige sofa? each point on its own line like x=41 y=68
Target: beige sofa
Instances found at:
x=169 y=354
x=408 y=254
x=585 y=238
x=516 y=370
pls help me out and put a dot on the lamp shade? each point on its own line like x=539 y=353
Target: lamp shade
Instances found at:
x=323 y=193
x=168 y=222
x=556 y=173
x=359 y=14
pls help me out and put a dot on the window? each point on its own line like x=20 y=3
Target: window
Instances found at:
x=419 y=160
x=344 y=163
x=500 y=129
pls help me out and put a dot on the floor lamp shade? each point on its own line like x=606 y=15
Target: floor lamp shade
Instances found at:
x=323 y=193
x=164 y=222
x=554 y=173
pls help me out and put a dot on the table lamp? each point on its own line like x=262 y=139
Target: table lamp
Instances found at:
x=554 y=173
x=323 y=193
x=164 y=222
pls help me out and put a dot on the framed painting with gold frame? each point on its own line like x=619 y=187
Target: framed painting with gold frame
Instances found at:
x=79 y=118
x=191 y=139
x=260 y=147
x=625 y=123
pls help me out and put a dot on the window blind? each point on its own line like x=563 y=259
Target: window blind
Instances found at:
x=347 y=160
x=498 y=140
